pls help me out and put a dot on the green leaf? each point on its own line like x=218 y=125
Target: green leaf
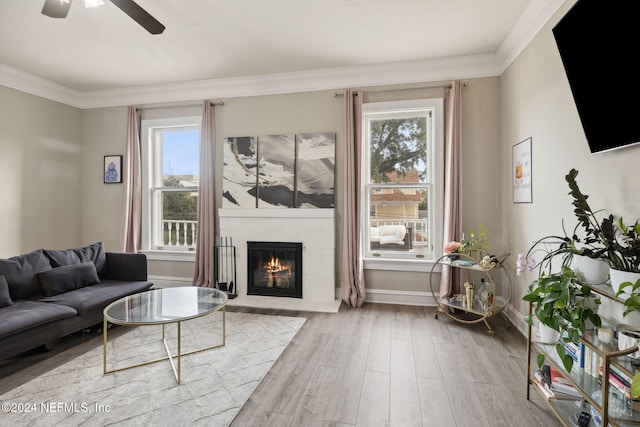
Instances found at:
x=541 y=362
x=635 y=386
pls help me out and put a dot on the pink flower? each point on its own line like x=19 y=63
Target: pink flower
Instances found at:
x=523 y=263
x=451 y=247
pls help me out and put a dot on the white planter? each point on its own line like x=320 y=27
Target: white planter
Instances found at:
x=547 y=334
x=613 y=311
x=591 y=271
x=629 y=339
x=618 y=277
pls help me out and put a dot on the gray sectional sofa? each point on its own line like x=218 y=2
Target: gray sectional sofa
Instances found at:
x=47 y=294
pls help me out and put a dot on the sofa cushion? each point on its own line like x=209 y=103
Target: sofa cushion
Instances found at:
x=93 y=252
x=392 y=234
x=97 y=297
x=5 y=297
x=68 y=277
x=23 y=315
x=20 y=272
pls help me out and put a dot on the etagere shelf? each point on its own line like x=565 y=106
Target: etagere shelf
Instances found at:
x=474 y=311
x=595 y=391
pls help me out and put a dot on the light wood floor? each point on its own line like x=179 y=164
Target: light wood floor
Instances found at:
x=379 y=365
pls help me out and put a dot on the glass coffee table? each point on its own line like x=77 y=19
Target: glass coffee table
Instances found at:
x=162 y=307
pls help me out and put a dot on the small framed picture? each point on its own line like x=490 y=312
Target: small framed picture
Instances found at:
x=112 y=169
x=521 y=172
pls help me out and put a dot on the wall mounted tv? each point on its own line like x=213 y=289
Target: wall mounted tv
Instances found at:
x=598 y=44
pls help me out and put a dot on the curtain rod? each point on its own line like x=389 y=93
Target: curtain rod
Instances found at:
x=465 y=84
x=178 y=105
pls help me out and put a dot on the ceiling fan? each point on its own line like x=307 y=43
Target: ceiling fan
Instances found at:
x=60 y=9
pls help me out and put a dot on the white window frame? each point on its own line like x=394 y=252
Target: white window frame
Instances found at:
x=151 y=164
x=401 y=260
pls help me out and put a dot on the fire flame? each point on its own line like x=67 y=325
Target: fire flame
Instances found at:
x=275 y=266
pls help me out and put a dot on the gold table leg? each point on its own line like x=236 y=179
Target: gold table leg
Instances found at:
x=176 y=371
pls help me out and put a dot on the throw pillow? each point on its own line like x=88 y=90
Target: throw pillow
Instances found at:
x=5 y=298
x=20 y=273
x=68 y=277
x=93 y=252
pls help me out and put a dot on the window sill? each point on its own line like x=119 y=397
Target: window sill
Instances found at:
x=423 y=266
x=168 y=255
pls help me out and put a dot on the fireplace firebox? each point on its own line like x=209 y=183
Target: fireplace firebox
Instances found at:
x=274 y=269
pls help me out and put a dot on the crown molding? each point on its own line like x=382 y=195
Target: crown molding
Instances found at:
x=535 y=16
x=34 y=85
x=472 y=66
x=441 y=69
x=305 y=81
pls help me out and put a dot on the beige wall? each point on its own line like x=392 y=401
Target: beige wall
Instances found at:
x=41 y=163
x=536 y=102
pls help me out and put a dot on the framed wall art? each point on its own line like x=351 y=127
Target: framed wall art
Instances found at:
x=521 y=172
x=112 y=172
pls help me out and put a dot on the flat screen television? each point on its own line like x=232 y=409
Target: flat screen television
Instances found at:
x=598 y=42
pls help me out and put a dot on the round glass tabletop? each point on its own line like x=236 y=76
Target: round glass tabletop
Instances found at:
x=165 y=305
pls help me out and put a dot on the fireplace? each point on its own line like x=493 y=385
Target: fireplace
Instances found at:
x=274 y=269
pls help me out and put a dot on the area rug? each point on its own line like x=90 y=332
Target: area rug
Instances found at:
x=214 y=383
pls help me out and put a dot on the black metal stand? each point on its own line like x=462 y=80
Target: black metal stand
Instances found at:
x=225 y=267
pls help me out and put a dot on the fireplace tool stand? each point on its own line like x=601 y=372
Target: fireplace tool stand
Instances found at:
x=225 y=267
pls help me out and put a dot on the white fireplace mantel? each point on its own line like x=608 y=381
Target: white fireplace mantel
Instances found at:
x=314 y=228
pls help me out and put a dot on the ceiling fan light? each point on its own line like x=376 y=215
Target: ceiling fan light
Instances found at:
x=93 y=3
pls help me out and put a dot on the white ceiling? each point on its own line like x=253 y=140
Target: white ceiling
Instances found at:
x=101 y=49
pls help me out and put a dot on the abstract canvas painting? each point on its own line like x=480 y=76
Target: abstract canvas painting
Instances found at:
x=239 y=173
x=279 y=171
x=315 y=170
x=276 y=171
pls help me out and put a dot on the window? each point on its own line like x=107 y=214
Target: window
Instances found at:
x=402 y=183
x=170 y=163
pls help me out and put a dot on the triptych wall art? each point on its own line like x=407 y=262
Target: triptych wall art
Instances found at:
x=279 y=171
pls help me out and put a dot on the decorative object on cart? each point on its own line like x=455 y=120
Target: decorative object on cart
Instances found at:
x=475 y=247
x=225 y=266
x=562 y=302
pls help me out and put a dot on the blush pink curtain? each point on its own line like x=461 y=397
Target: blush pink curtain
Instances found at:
x=450 y=281
x=351 y=268
x=131 y=225
x=205 y=240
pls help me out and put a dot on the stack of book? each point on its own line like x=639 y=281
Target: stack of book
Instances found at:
x=621 y=383
x=554 y=385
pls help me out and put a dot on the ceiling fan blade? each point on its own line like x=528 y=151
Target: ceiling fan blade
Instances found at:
x=56 y=8
x=139 y=15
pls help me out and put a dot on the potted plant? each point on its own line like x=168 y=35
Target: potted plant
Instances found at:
x=562 y=302
x=474 y=247
x=610 y=239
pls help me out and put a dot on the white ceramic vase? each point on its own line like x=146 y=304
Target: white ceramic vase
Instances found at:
x=592 y=271
x=548 y=335
x=618 y=277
